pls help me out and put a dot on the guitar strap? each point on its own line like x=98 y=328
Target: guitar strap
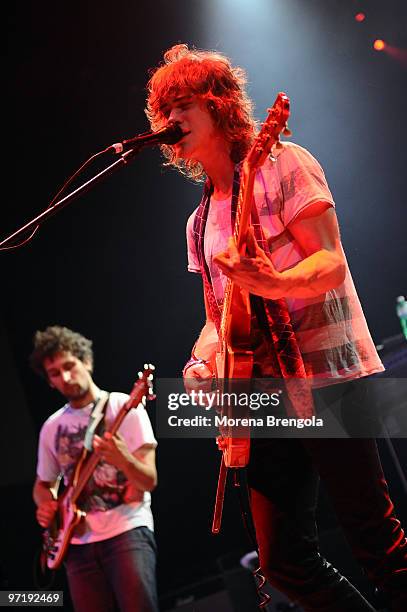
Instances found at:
x=272 y=315
x=95 y=419
x=201 y=217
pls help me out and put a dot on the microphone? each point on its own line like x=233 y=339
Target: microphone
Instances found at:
x=170 y=134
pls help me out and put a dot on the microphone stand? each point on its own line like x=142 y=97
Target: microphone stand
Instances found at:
x=124 y=159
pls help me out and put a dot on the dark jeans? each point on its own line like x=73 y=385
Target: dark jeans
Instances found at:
x=114 y=573
x=283 y=477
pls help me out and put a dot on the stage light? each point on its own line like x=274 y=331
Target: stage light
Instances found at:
x=360 y=17
x=379 y=44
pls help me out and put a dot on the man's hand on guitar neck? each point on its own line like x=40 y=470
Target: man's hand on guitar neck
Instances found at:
x=138 y=467
x=253 y=272
x=112 y=449
x=323 y=268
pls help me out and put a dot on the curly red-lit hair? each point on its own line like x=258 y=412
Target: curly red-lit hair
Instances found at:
x=211 y=76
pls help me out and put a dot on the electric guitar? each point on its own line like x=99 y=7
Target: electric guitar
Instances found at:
x=57 y=537
x=234 y=357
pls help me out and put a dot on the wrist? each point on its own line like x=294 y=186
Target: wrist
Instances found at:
x=126 y=464
x=280 y=286
x=195 y=360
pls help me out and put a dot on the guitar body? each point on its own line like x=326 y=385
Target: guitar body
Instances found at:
x=234 y=356
x=234 y=362
x=58 y=536
x=235 y=448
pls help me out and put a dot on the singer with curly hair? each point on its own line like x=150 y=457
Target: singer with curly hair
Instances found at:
x=294 y=268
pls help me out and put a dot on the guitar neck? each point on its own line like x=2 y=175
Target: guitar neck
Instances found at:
x=242 y=221
x=275 y=123
x=90 y=465
x=244 y=206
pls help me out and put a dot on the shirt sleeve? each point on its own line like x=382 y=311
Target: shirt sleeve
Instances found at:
x=193 y=261
x=136 y=427
x=47 y=464
x=302 y=181
x=137 y=430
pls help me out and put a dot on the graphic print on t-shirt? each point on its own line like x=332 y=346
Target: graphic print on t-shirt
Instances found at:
x=106 y=488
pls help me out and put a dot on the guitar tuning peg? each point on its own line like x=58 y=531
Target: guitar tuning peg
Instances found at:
x=140 y=374
x=146 y=366
x=150 y=365
x=150 y=377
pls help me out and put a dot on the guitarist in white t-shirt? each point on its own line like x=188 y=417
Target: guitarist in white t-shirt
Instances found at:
x=112 y=553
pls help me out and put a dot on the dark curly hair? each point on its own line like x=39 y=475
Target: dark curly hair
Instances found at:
x=57 y=339
x=211 y=76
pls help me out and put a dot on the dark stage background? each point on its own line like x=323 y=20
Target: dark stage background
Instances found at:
x=113 y=265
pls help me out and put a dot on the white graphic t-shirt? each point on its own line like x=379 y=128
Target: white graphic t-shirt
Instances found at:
x=60 y=444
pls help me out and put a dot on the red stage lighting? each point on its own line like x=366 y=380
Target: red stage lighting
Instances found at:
x=360 y=17
x=379 y=44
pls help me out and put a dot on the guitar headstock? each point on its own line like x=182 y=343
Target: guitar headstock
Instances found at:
x=271 y=129
x=143 y=387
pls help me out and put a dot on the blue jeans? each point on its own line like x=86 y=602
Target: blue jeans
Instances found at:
x=115 y=573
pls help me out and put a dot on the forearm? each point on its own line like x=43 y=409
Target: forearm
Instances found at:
x=316 y=274
x=143 y=476
x=41 y=493
x=207 y=342
x=46 y=505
